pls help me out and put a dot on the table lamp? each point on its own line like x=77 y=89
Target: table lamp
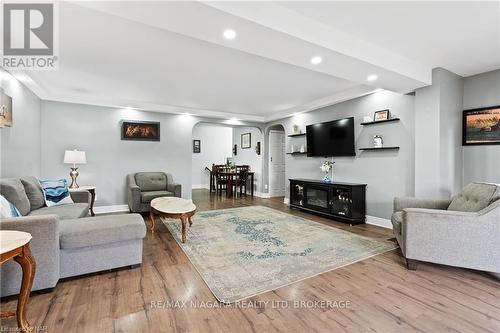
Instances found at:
x=74 y=157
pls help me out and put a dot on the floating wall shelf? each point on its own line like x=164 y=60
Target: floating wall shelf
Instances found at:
x=380 y=122
x=297 y=153
x=383 y=148
x=294 y=135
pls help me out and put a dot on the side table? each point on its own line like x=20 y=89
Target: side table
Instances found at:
x=91 y=190
x=15 y=245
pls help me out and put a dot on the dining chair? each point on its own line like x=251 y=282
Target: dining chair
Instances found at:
x=213 y=174
x=221 y=181
x=242 y=177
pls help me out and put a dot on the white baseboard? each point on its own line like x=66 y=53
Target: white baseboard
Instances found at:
x=286 y=201
x=378 y=221
x=262 y=195
x=200 y=186
x=111 y=209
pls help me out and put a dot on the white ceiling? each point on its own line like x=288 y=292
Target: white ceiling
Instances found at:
x=171 y=57
x=461 y=36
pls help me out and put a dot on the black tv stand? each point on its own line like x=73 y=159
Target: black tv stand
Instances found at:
x=340 y=201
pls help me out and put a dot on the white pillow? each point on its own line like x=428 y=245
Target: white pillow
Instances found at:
x=7 y=209
x=56 y=192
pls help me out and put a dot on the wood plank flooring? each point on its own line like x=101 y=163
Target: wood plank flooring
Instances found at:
x=383 y=296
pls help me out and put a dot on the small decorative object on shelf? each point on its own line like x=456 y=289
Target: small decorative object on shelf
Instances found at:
x=367 y=119
x=257 y=148
x=296 y=129
x=326 y=167
x=382 y=115
x=293 y=148
x=235 y=150
x=378 y=142
x=302 y=149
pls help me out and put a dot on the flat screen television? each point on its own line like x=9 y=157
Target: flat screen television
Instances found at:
x=333 y=138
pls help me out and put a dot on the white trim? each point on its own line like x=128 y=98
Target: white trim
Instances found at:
x=201 y=186
x=111 y=209
x=286 y=201
x=378 y=221
x=262 y=195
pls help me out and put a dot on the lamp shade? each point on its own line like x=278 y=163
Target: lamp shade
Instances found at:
x=75 y=157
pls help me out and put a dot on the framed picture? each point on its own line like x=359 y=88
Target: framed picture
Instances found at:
x=481 y=126
x=246 y=140
x=140 y=130
x=5 y=110
x=196 y=146
x=381 y=115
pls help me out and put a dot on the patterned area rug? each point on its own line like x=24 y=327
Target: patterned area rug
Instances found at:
x=242 y=252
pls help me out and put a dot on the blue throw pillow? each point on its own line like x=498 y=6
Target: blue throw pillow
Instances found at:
x=56 y=192
x=7 y=209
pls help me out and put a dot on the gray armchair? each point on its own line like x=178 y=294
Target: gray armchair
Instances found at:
x=463 y=231
x=142 y=187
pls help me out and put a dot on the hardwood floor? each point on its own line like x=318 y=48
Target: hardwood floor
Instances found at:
x=383 y=295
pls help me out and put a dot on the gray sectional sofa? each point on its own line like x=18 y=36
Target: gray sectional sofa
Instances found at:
x=463 y=231
x=65 y=241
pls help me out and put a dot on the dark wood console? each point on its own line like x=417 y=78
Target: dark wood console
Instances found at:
x=340 y=201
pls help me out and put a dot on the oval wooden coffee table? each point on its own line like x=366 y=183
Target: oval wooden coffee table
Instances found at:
x=173 y=208
x=15 y=245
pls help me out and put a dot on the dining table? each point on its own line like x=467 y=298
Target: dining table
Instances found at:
x=231 y=175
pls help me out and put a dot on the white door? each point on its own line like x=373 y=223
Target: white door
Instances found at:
x=276 y=164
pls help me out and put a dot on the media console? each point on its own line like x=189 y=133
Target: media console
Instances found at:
x=342 y=201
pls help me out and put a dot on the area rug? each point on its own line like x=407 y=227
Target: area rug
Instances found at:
x=242 y=252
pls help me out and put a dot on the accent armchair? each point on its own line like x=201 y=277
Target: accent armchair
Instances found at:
x=463 y=231
x=142 y=187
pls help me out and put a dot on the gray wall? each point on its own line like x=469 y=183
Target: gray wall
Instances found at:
x=96 y=130
x=216 y=145
x=249 y=156
x=481 y=163
x=438 y=136
x=20 y=144
x=387 y=173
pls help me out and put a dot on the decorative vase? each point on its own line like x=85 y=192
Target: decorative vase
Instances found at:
x=378 y=142
x=327 y=178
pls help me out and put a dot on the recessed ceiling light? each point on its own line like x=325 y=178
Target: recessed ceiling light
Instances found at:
x=316 y=60
x=372 y=77
x=229 y=34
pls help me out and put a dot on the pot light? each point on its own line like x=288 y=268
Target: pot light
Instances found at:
x=316 y=60
x=229 y=34
x=372 y=77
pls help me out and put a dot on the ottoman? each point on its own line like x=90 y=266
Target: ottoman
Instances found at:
x=99 y=243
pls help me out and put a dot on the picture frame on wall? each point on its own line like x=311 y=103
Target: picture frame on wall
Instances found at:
x=246 y=140
x=136 y=130
x=5 y=110
x=196 y=146
x=481 y=126
x=382 y=115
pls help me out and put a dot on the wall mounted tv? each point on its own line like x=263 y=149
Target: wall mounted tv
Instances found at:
x=333 y=138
